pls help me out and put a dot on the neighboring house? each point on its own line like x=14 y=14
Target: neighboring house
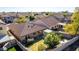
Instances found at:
x=62 y=18
x=4 y=38
x=67 y=19
x=4 y=35
x=33 y=29
x=8 y=19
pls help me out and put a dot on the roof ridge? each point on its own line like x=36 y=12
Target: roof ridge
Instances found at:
x=45 y=24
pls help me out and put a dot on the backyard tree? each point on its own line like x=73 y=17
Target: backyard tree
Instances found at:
x=21 y=19
x=75 y=17
x=73 y=27
x=75 y=20
x=51 y=39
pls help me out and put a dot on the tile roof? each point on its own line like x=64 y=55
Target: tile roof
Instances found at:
x=50 y=21
x=25 y=28
x=31 y=27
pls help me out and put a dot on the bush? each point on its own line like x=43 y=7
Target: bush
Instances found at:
x=38 y=46
x=41 y=47
x=51 y=39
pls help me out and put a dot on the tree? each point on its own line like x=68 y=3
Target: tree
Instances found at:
x=71 y=28
x=21 y=19
x=65 y=13
x=74 y=26
x=31 y=18
x=51 y=39
x=75 y=17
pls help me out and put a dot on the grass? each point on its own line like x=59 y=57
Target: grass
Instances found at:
x=12 y=49
x=38 y=46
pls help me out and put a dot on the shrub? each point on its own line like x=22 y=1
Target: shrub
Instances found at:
x=38 y=46
x=41 y=47
x=51 y=39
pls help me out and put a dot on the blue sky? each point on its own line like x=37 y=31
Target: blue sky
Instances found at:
x=37 y=9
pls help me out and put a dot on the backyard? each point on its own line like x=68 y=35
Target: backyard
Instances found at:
x=50 y=41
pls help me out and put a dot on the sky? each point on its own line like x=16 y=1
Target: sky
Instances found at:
x=36 y=9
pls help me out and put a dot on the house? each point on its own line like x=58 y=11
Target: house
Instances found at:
x=33 y=29
x=8 y=19
x=4 y=37
x=50 y=22
x=67 y=19
x=62 y=18
x=3 y=32
x=26 y=30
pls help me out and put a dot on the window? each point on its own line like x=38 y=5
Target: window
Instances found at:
x=0 y=28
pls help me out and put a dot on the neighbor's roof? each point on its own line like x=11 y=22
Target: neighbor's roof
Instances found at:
x=50 y=21
x=8 y=14
x=28 y=28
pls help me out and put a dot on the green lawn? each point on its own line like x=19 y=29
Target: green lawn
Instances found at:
x=12 y=49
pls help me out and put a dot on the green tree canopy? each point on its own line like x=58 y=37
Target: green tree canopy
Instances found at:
x=21 y=19
x=51 y=39
x=73 y=27
x=31 y=18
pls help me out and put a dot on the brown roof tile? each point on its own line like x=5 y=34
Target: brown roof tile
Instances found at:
x=25 y=28
x=50 y=21
x=28 y=28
